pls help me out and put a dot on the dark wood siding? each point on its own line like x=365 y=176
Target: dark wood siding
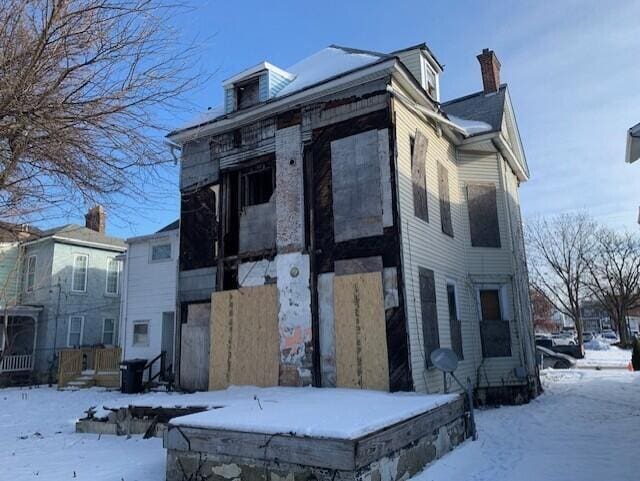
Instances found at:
x=198 y=229
x=483 y=215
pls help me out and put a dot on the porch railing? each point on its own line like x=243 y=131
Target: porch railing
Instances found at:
x=73 y=362
x=16 y=363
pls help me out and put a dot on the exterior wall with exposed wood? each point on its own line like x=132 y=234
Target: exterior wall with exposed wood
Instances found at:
x=425 y=245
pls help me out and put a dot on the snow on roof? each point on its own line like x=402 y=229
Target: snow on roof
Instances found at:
x=471 y=127
x=323 y=65
x=318 y=412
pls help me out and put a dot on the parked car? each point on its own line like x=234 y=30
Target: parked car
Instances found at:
x=573 y=350
x=610 y=336
x=551 y=359
x=589 y=336
x=564 y=339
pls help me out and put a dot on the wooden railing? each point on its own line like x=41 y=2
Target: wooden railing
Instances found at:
x=69 y=366
x=107 y=360
x=99 y=361
x=15 y=363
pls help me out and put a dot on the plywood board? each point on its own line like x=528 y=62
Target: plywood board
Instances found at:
x=194 y=352
x=361 y=340
x=244 y=337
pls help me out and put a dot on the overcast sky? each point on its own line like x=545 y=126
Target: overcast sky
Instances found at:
x=573 y=69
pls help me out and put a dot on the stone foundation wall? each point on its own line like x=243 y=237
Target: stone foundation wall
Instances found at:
x=400 y=465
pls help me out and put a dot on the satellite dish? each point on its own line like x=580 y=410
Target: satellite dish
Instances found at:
x=444 y=359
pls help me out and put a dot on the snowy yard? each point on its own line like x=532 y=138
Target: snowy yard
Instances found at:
x=586 y=426
x=606 y=357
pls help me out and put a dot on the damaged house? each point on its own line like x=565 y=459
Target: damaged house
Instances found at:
x=339 y=223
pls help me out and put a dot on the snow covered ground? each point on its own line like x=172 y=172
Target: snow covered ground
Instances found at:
x=38 y=442
x=586 y=426
x=606 y=357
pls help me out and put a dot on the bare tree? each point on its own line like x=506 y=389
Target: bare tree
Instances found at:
x=559 y=250
x=614 y=276
x=82 y=86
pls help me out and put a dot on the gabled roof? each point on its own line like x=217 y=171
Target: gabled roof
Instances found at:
x=422 y=46
x=75 y=232
x=488 y=108
x=633 y=144
x=173 y=226
x=324 y=65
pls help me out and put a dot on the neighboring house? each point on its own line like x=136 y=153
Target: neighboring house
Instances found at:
x=347 y=224
x=149 y=286
x=72 y=275
x=17 y=322
x=633 y=144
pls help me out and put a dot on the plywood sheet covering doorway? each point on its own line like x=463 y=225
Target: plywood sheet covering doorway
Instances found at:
x=361 y=340
x=244 y=337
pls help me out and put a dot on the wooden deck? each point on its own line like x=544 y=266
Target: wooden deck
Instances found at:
x=100 y=366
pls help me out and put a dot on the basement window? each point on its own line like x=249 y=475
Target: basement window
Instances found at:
x=247 y=93
x=257 y=186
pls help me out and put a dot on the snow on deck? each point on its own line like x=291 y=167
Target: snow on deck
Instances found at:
x=317 y=412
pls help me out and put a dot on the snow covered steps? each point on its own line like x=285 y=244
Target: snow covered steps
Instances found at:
x=309 y=433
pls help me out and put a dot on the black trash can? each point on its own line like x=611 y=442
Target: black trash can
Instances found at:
x=132 y=370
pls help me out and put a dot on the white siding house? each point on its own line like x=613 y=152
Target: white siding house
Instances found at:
x=149 y=297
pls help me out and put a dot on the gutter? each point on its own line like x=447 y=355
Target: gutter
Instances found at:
x=423 y=110
x=67 y=240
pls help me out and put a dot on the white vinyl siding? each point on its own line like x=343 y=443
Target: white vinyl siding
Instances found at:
x=75 y=330
x=80 y=273
x=113 y=274
x=108 y=331
x=31 y=273
x=424 y=245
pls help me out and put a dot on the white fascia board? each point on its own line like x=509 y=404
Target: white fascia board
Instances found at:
x=96 y=245
x=155 y=235
x=254 y=70
x=512 y=159
x=280 y=104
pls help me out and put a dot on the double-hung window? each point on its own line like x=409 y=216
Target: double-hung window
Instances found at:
x=108 y=331
x=113 y=273
x=31 y=273
x=74 y=335
x=80 y=273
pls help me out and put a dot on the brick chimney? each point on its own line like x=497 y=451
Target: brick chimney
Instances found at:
x=490 y=67
x=96 y=219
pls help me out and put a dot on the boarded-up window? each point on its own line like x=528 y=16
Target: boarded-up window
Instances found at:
x=445 y=203
x=355 y=178
x=494 y=331
x=454 y=321
x=483 y=215
x=430 y=333
x=198 y=228
x=419 y=145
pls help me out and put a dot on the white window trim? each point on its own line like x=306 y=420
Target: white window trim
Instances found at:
x=451 y=282
x=133 y=333
x=106 y=283
x=35 y=267
x=81 y=331
x=159 y=242
x=73 y=273
x=113 y=333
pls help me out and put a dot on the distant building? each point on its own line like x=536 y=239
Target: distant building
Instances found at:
x=67 y=281
x=149 y=286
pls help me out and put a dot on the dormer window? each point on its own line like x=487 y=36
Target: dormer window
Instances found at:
x=248 y=93
x=430 y=80
x=254 y=85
